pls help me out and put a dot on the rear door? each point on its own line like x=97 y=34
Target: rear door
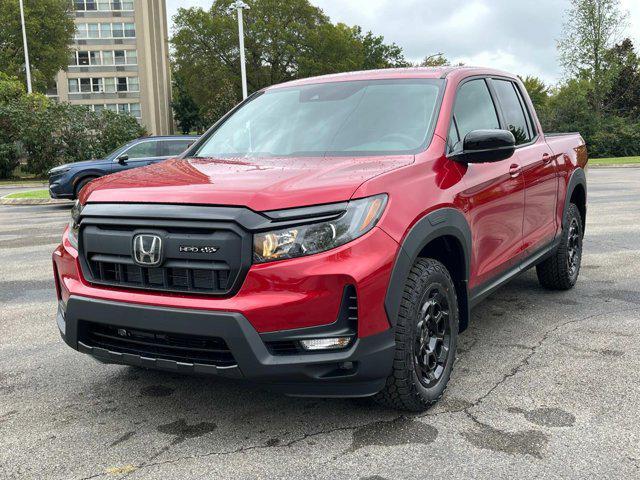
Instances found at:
x=494 y=191
x=537 y=164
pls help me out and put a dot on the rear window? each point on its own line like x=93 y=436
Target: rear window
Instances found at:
x=358 y=117
x=511 y=104
x=170 y=148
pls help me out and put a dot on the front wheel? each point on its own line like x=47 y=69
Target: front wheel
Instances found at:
x=560 y=271
x=426 y=337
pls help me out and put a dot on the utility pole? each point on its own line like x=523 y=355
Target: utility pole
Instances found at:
x=26 y=49
x=239 y=5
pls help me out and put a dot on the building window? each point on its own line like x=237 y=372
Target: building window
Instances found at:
x=81 y=31
x=107 y=57
x=92 y=29
x=83 y=58
x=103 y=5
x=105 y=30
x=130 y=30
x=134 y=84
x=132 y=57
x=132 y=109
x=122 y=84
x=118 y=30
x=96 y=85
x=110 y=85
x=85 y=85
x=94 y=58
x=104 y=85
x=119 y=56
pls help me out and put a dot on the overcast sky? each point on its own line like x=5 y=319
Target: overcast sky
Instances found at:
x=514 y=35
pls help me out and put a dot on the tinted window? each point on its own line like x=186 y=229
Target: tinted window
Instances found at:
x=143 y=150
x=341 y=117
x=174 y=147
x=514 y=115
x=474 y=110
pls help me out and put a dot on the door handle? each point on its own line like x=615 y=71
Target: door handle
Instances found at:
x=546 y=158
x=514 y=170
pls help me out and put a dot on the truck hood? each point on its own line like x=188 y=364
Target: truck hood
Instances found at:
x=261 y=184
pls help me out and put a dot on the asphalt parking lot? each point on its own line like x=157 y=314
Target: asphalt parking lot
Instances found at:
x=546 y=384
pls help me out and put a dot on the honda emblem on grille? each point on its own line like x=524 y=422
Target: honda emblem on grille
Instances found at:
x=147 y=249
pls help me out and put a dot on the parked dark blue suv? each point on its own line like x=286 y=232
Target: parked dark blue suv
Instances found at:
x=66 y=181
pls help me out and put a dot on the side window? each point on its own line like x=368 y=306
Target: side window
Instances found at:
x=473 y=110
x=170 y=148
x=143 y=150
x=512 y=109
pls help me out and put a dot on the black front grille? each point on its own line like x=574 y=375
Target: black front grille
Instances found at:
x=124 y=273
x=107 y=255
x=153 y=344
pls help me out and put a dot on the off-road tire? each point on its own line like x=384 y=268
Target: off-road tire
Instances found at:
x=405 y=388
x=560 y=271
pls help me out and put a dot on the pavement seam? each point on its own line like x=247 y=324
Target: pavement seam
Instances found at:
x=467 y=410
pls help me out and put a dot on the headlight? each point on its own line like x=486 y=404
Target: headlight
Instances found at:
x=360 y=217
x=59 y=170
x=74 y=224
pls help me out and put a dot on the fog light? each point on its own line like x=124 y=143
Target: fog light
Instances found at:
x=325 y=343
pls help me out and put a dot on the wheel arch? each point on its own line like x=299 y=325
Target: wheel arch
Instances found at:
x=577 y=194
x=443 y=234
x=90 y=174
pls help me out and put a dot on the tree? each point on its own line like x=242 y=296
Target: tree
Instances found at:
x=283 y=41
x=185 y=110
x=379 y=54
x=623 y=96
x=592 y=27
x=10 y=88
x=50 y=30
x=538 y=92
x=434 y=60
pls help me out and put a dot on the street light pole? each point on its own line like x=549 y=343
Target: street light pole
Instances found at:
x=239 y=6
x=26 y=49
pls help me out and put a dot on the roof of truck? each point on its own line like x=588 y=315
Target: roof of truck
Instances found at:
x=391 y=73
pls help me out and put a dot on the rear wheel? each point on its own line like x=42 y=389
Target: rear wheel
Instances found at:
x=560 y=271
x=426 y=338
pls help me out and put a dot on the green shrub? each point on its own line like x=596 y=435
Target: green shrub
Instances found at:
x=8 y=159
x=50 y=133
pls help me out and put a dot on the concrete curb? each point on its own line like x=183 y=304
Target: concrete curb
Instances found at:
x=621 y=165
x=15 y=186
x=33 y=201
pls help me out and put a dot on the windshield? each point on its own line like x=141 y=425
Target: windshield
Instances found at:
x=358 y=117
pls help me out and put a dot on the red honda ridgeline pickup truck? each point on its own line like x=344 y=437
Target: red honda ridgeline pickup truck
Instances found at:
x=328 y=236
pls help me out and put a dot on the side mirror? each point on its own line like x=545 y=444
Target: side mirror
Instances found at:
x=122 y=159
x=483 y=146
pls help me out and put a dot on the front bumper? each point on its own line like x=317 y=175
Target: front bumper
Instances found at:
x=357 y=371
x=58 y=188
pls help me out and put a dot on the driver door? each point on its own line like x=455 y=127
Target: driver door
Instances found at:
x=493 y=193
x=140 y=154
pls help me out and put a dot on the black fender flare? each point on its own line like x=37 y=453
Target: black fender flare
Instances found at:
x=578 y=177
x=439 y=223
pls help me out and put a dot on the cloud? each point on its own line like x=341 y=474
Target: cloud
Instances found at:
x=514 y=35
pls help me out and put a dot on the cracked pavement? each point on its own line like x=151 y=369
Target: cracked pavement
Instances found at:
x=546 y=384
